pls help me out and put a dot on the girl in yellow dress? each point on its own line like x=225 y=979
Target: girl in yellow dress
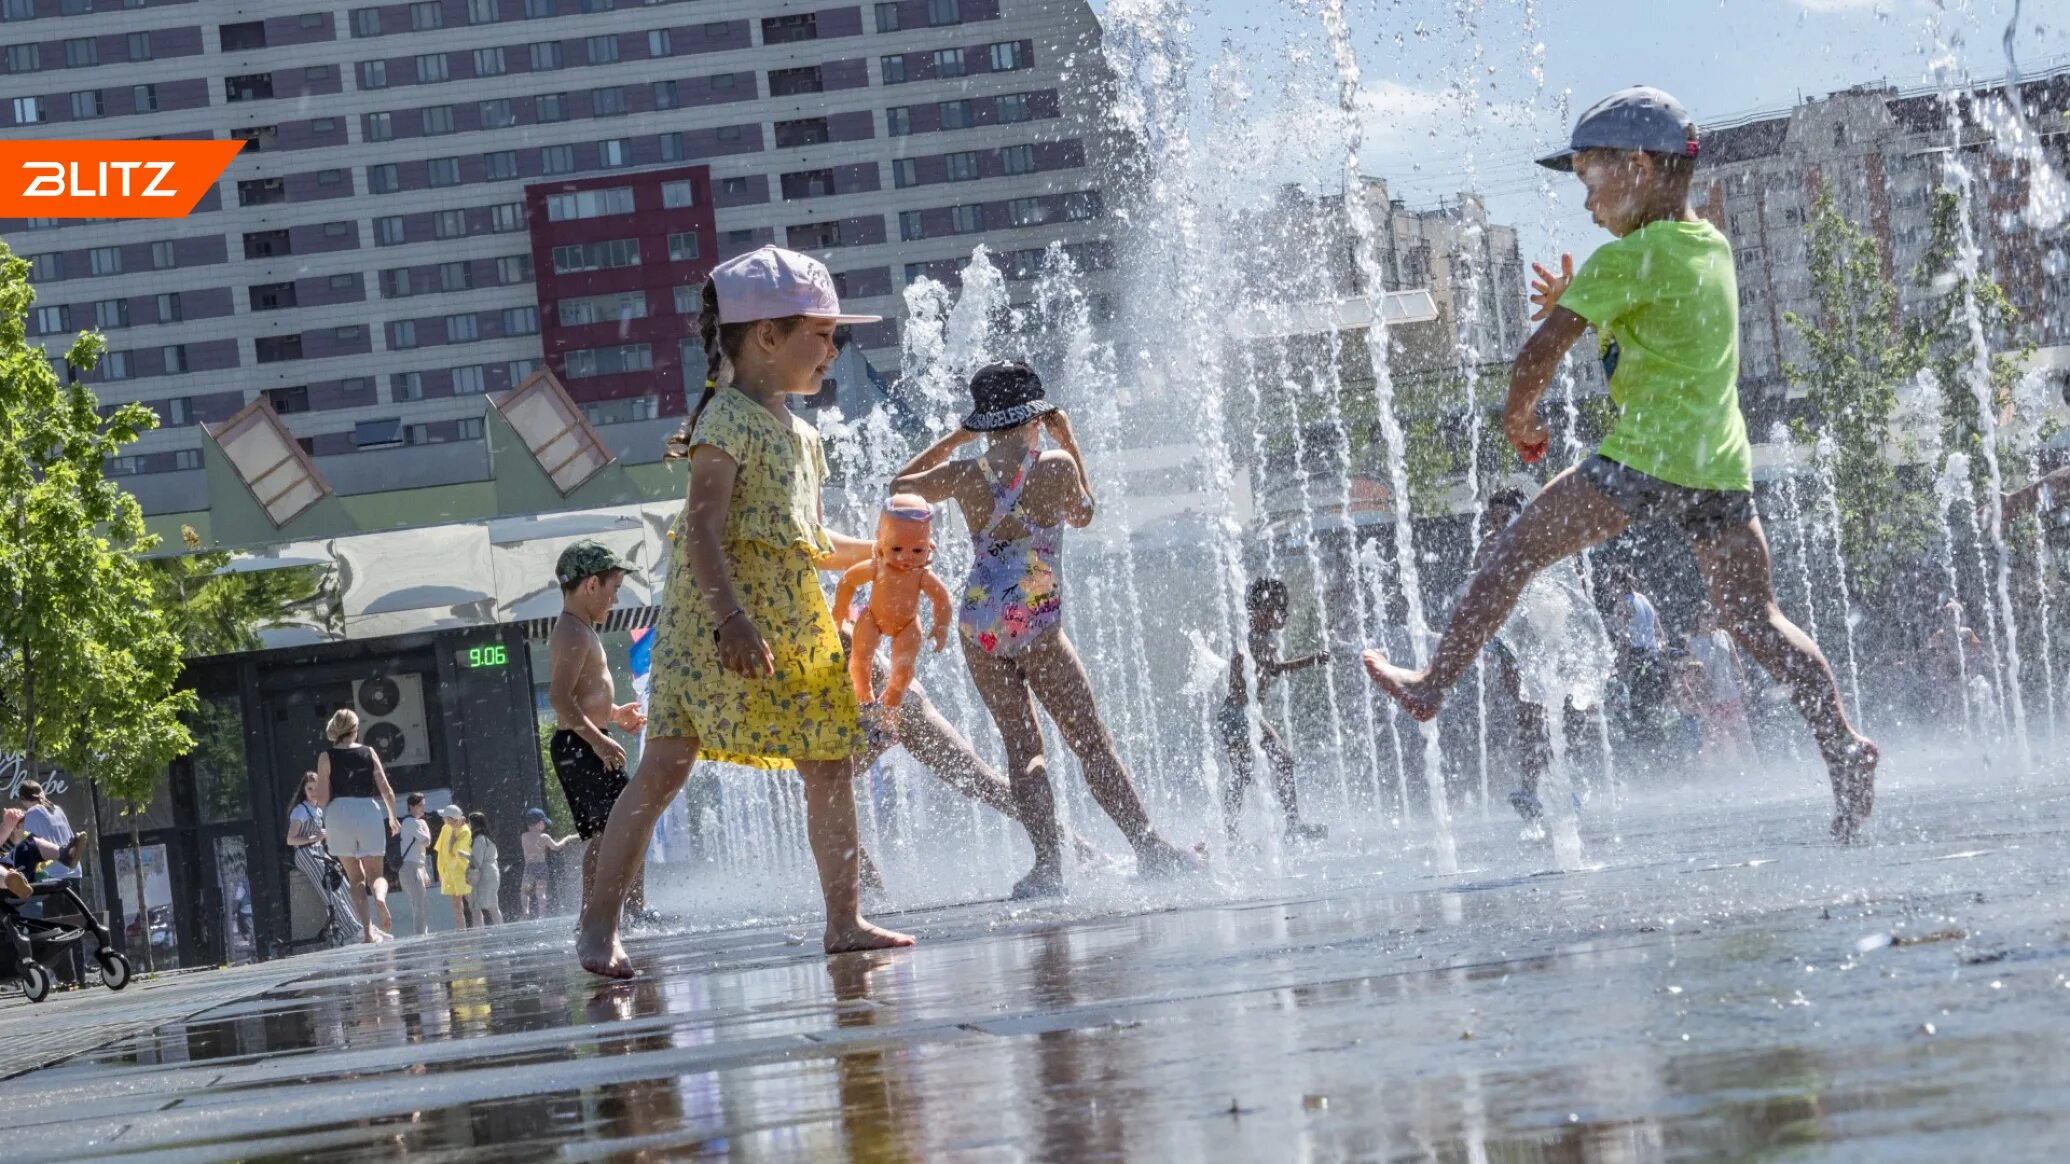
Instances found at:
x=748 y=666
x=455 y=845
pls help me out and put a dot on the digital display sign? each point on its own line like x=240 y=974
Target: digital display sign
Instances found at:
x=478 y=658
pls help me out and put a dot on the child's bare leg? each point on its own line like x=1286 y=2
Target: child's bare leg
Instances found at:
x=1281 y=758
x=379 y=887
x=620 y=851
x=836 y=849
x=1005 y=692
x=1241 y=764
x=1735 y=567
x=459 y=912
x=1058 y=679
x=1570 y=516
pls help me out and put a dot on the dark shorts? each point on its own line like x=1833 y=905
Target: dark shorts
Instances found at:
x=590 y=787
x=1702 y=513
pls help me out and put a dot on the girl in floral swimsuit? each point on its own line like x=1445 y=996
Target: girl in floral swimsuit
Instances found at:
x=1016 y=497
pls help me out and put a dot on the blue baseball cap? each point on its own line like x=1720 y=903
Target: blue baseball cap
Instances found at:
x=1638 y=118
x=535 y=816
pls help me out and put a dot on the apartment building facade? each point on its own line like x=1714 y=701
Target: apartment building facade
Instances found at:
x=429 y=190
x=1881 y=154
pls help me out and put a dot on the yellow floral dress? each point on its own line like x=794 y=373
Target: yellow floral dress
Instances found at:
x=773 y=537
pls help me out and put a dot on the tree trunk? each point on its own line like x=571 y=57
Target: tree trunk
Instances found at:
x=136 y=861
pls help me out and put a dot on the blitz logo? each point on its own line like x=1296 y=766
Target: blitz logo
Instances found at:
x=62 y=180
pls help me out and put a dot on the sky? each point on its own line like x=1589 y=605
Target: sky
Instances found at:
x=1447 y=110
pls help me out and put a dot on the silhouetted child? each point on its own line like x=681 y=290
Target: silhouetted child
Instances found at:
x=1267 y=602
x=539 y=846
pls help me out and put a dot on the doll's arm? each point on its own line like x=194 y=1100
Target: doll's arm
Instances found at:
x=937 y=592
x=844 y=592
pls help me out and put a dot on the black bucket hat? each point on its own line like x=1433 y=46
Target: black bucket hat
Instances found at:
x=1005 y=395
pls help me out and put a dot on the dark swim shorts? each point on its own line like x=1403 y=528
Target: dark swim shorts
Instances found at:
x=591 y=788
x=1702 y=513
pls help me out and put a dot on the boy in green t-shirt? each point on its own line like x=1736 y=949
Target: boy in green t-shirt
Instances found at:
x=1665 y=305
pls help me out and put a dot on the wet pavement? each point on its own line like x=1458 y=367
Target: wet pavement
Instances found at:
x=1722 y=985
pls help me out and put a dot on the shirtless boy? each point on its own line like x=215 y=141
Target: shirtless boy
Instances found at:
x=590 y=764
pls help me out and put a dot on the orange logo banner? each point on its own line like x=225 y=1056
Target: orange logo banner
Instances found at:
x=109 y=179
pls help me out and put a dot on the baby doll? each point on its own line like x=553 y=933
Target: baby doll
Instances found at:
x=897 y=575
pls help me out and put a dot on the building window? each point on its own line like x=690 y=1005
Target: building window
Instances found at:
x=806 y=184
x=389 y=232
x=615 y=154
x=790 y=29
x=24 y=58
x=427 y=15
x=366 y=22
x=1026 y=212
x=115 y=366
x=405 y=387
x=659 y=43
x=86 y=104
x=682 y=248
x=105 y=260
x=733 y=187
x=462 y=329
x=550 y=107
x=378 y=127
x=579 y=204
x=449 y=224
x=395 y=283
x=893 y=69
x=1013 y=108
x=949 y=63
x=546 y=55
x=484 y=11
x=488 y=62
x=513 y=270
x=905 y=172
x=288 y=401
x=346 y=334
x=274 y=349
x=887 y=18
x=81 y=53
x=52 y=320
x=677 y=195
x=469 y=381
x=583 y=363
x=558 y=159
x=431 y=68
x=1080 y=205
x=505 y=217
x=144 y=98
x=47 y=268
x=689 y=299
x=1018 y=159
x=501 y=166
x=186 y=459
x=180 y=409
x=402 y=334
x=468 y=428
x=498 y=114
x=966 y=166
x=596 y=256
x=29 y=111
x=456 y=276
x=541 y=9
x=664 y=94
x=814 y=236
x=169 y=308
x=272 y=296
x=438 y=120
x=118 y=466
x=611 y=308
x=520 y=320
x=111 y=313
x=608 y=101
x=941 y=12
x=790 y=82
x=373 y=74
x=966 y=219
x=803 y=132
x=164 y=257
x=382 y=179
x=1008 y=56
x=955 y=114
x=602 y=50
x=898 y=121
x=671 y=147
x=910 y=228
x=443 y=171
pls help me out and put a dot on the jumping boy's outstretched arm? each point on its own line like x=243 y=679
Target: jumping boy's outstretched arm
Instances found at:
x=1533 y=371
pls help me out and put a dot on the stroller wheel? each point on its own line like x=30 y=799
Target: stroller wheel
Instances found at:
x=114 y=969
x=37 y=981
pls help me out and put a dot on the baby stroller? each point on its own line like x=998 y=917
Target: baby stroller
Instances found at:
x=28 y=945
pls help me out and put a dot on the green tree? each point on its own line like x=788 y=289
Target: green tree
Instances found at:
x=89 y=668
x=1941 y=329
x=217 y=614
x=1858 y=355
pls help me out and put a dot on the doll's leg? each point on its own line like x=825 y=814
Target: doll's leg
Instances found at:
x=860 y=655
x=905 y=656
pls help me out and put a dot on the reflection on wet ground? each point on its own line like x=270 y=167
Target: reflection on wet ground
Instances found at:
x=1722 y=987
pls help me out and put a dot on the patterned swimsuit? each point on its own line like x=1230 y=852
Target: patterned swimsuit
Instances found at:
x=1012 y=597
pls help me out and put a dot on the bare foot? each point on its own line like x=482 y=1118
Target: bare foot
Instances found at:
x=16 y=883
x=1157 y=857
x=1404 y=685
x=1041 y=881
x=1853 y=772
x=601 y=954
x=861 y=935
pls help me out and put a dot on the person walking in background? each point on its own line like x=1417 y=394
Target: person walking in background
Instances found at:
x=1728 y=735
x=416 y=848
x=484 y=873
x=454 y=848
x=539 y=846
x=306 y=837
x=360 y=807
x=1636 y=624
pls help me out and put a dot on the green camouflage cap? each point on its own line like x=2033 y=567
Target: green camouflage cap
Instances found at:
x=586 y=558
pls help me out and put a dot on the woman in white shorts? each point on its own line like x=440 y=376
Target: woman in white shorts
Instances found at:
x=359 y=813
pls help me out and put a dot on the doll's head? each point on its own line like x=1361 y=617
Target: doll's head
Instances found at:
x=905 y=533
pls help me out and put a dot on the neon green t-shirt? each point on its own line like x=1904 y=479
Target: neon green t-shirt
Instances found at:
x=1665 y=304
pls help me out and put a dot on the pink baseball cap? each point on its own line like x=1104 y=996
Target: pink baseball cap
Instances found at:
x=773 y=283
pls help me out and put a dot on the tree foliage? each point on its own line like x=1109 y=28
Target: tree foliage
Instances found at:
x=1858 y=355
x=219 y=614
x=89 y=666
x=1951 y=277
